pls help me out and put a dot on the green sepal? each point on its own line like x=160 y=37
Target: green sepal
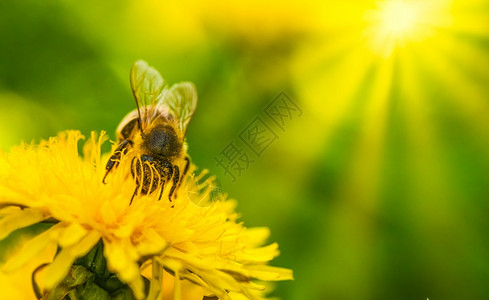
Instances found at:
x=113 y=284
x=89 y=278
x=91 y=290
x=124 y=293
x=95 y=262
x=77 y=275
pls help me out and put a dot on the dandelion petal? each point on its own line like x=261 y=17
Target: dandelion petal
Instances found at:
x=31 y=248
x=20 y=219
x=71 y=234
x=119 y=260
x=269 y=273
x=65 y=258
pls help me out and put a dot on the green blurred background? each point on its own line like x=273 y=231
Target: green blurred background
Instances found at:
x=379 y=190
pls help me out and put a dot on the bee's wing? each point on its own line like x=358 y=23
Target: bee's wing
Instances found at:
x=181 y=100
x=147 y=87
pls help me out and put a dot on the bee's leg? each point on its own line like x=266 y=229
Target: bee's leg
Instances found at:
x=161 y=190
x=176 y=179
x=162 y=169
x=187 y=165
x=166 y=168
x=185 y=169
x=134 y=194
x=136 y=172
x=115 y=158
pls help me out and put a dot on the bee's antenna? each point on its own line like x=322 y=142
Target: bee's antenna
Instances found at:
x=137 y=103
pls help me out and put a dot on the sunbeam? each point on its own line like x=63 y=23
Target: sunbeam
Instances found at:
x=394 y=23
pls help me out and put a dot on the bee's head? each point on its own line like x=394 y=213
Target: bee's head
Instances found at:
x=162 y=141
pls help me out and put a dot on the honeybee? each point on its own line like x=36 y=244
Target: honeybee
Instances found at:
x=155 y=131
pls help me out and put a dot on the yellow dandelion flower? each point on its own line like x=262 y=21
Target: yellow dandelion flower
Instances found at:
x=188 y=248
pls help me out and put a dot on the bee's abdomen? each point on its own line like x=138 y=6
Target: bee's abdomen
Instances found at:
x=127 y=131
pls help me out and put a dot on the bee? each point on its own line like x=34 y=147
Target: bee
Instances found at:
x=155 y=131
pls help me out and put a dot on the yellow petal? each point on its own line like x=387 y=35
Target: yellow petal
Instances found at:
x=152 y=243
x=32 y=248
x=218 y=281
x=120 y=261
x=117 y=259
x=189 y=290
x=64 y=259
x=20 y=219
x=269 y=273
x=257 y=235
x=71 y=234
x=17 y=284
x=137 y=287
x=262 y=254
x=155 y=277
x=177 y=287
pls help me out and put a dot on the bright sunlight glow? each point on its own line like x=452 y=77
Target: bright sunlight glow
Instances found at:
x=398 y=17
x=394 y=22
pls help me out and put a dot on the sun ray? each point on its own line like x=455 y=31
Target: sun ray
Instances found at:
x=425 y=164
x=358 y=191
x=462 y=93
x=470 y=17
x=437 y=191
x=395 y=23
x=470 y=56
x=364 y=172
x=331 y=91
x=394 y=164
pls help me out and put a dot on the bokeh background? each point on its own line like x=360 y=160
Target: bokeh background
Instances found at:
x=379 y=190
